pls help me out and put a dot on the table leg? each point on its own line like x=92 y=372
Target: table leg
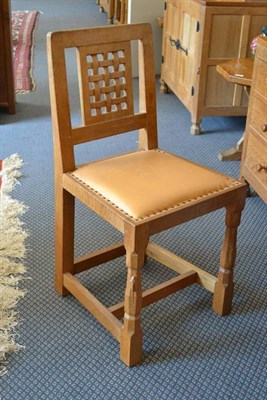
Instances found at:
x=234 y=153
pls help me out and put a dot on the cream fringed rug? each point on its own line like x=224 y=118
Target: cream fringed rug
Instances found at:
x=12 y=252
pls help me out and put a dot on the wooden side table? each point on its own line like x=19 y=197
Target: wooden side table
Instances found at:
x=7 y=92
x=237 y=71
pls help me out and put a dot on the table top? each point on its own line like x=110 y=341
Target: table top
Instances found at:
x=238 y=70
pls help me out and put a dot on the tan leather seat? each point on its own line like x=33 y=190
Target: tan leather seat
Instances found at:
x=145 y=183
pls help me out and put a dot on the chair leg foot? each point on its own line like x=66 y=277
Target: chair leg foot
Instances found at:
x=222 y=300
x=131 y=346
x=61 y=290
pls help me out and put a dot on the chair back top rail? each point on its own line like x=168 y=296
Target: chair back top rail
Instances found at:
x=103 y=34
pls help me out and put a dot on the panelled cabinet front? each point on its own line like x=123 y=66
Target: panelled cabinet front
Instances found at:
x=254 y=157
x=197 y=36
x=181 y=58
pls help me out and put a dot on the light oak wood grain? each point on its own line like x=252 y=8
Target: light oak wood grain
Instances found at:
x=136 y=231
x=212 y=32
x=254 y=157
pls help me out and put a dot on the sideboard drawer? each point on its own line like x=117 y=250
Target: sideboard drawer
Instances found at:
x=261 y=83
x=256 y=159
x=258 y=115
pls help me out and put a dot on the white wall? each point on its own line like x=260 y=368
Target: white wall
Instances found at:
x=147 y=11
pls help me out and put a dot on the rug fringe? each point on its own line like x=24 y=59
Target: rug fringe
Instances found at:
x=12 y=251
x=10 y=173
x=8 y=267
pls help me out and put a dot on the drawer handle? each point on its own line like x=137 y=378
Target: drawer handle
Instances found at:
x=264 y=128
x=178 y=45
x=261 y=166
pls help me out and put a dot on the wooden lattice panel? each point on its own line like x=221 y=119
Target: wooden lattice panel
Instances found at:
x=105 y=76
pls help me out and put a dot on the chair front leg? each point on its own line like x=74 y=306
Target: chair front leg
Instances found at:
x=223 y=294
x=64 y=237
x=131 y=342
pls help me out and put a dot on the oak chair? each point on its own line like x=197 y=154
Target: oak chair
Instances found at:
x=140 y=193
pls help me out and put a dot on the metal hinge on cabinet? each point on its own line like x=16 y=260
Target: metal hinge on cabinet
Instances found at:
x=192 y=91
x=198 y=26
x=165 y=6
x=162 y=59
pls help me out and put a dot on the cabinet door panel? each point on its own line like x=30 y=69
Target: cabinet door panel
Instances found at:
x=219 y=92
x=181 y=64
x=188 y=62
x=225 y=33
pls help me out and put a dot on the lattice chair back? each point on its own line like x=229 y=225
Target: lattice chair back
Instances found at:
x=105 y=86
x=105 y=82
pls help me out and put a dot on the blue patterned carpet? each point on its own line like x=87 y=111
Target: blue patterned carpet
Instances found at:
x=189 y=352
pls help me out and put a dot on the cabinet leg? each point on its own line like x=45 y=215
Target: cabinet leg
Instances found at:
x=234 y=153
x=163 y=87
x=11 y=108
x=195 y=128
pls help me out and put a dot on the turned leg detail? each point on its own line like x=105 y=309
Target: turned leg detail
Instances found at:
x=131 y=336
x=64 y=237
x=223 y=294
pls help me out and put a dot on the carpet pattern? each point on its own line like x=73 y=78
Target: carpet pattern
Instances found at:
x=190 y=353
x=23 y=25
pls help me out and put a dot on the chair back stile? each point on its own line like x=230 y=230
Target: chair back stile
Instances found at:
x=148 y=138
x=105 y=87
x=60 y=108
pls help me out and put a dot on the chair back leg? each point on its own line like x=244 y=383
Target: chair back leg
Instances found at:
x=64 y=237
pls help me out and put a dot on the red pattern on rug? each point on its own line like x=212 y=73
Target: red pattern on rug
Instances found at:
x=23 y=24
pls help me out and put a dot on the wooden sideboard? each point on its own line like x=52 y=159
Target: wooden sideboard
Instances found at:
x=198 y=35
x=254 y=156
x=137 y=11
x=120 y=11
x=7 y=94
x=108 y=7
